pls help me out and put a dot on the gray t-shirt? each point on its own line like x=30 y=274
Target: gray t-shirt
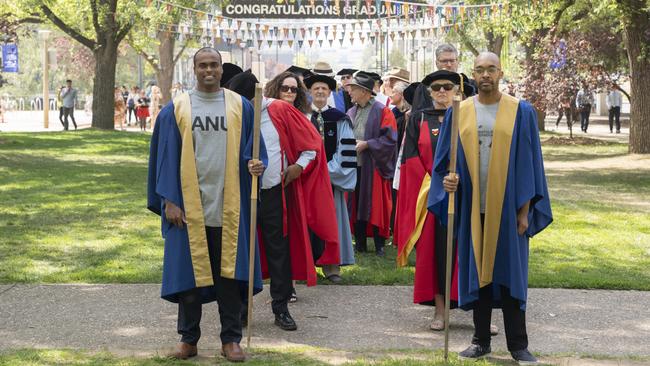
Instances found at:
x=209 y=130
x=486 y=115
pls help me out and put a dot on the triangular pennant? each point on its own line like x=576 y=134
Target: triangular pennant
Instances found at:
x=310 y=41
x=372 y=39
x=392 y=36
x=269 y=42
x=286 y=32
x=341 y=41
x=331 y=41
x=320 y=43
x=229 y=22
x=238 y=24
x=257 y=26
x=280 y=42
x=302 y=32
x=300 y=42
x=259 y=44
x=326 y=31
x=293 y=31
x=290 y=42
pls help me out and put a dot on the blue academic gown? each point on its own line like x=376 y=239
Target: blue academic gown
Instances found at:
x=525 y=182
x=164 y=182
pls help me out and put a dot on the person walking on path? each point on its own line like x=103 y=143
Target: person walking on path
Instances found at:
x=295 y=198
x=120 y=109
x=375 y=131
x=584 y=101
x=142 y=110
x=614 y=102
x=502 y=201
x=156 y=100
x=69 y=99
x=335 y=128
x=199 y=181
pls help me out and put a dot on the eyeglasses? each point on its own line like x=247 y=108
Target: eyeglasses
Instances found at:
x=448 y=61
x=439 y=87
x=490 y=70
x=288 y=89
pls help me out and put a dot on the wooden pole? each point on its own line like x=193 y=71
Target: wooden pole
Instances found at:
x=450 y=216
x=253 y=228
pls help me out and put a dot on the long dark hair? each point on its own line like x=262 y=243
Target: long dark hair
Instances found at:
x=272 y=90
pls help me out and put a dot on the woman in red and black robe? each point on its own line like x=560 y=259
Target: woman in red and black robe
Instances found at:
x=417 y=227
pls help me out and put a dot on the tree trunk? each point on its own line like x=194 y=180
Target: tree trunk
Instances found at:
x=637 y=34
x=541 y=120
x=495 y=42
x=165 y=69
x=103 y=88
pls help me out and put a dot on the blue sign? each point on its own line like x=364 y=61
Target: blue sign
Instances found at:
x=10 y=58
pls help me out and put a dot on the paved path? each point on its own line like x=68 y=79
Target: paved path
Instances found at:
x=133 y=319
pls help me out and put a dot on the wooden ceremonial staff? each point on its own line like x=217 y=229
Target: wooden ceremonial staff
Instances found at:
x=253 y=228
x=450 y=212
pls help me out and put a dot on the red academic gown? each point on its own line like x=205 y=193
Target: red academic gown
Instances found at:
x=417 y=227
x=308 y=202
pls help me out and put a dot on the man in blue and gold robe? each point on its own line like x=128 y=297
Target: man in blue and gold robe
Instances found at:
x=501 y=201
x=199 y=181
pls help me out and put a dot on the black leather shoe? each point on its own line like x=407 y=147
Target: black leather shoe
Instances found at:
x=523 y=357
x=285 y=321
x=475 y=351
x=380 y=252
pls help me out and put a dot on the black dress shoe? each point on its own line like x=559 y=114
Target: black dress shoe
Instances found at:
x=475 y=351
x=523 y=357
x=380 y=252
x=285 y=321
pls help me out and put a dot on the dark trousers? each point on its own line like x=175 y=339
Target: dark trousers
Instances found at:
x=360 y=227
x=61 y=117
x=276 y=246
x=228 y=300
x=514 y=319
x=68 y=112
x=584 y=116
x=615 y=115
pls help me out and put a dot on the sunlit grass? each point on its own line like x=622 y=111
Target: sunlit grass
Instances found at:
x=73 y=210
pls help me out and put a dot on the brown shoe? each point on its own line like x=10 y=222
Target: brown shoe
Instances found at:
x=232 y=352
x=184 y=351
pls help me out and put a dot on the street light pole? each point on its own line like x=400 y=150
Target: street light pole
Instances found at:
x=45 y=35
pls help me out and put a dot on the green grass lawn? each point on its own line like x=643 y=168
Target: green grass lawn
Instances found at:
x=73 y=210
x=267 y=357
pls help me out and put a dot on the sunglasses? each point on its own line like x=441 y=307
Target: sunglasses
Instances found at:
x=439 y=87
x=287 y=89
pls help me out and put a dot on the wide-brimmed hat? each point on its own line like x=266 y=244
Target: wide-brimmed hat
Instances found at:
x=323 y=68
x=346 y=72
x=363 y=80
x=409 y=92
x=376 y=77
x=455 y=78
x=399 y=74
x=309 y=81
x=229 y=70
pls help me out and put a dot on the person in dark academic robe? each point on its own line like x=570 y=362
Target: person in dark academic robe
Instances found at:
x=243 y=84
x=342 y=100
x=296 y=197
x=375 y=130
x=203 y=263
x=501 y=202
x=335 y=128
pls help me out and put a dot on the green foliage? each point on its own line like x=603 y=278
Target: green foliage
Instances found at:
x=396 y=58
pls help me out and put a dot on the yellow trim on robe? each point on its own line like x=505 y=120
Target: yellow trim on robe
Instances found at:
x=485 y=241
x=192 y=195
x=420 y=217
x=231 y=190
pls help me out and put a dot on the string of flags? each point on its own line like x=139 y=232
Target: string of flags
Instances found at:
x=410 y=21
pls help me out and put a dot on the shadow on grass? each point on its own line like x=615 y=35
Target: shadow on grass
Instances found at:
x=298 y=357
x=565 y=153
x=67 y=220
